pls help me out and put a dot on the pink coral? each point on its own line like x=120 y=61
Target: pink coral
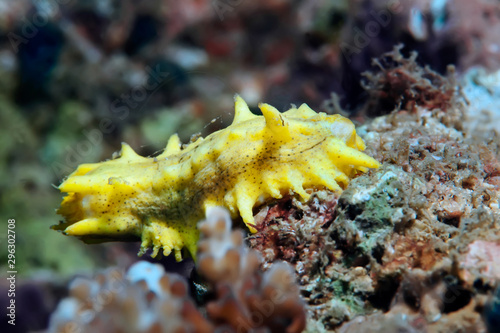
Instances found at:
x=246 y=299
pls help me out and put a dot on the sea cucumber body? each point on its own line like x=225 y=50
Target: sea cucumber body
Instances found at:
x=256 y=158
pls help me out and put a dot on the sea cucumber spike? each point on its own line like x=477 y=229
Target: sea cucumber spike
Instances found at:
x=242 y=199
x=128 y=154
x=344 y=130
x=362 y=169
x=275 y=121
x=85 y=168
x=173 y=147
x=245 y=205
x=90 y=225
x=360 y=144
x=158 y=234
x=70 y=187
x=330 y=180
x=272 y=187
x=79 y=184
x=70 y=209
x=160 y=200
x=304 y=112
x=241 y=111
x=349 y=156
x=297 y=184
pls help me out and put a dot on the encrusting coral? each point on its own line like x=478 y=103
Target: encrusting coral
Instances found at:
x=147 y=299
x=160 y=199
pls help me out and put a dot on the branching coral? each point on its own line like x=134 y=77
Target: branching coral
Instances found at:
x=149 y=300
x=145 y=300
x=246 y=299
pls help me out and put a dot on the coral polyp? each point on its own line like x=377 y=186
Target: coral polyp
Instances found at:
x=256 y=158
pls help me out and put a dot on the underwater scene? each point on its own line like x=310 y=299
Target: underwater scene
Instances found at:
x=242 y=166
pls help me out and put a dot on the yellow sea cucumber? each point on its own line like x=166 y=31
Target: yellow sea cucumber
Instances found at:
x=161 y=199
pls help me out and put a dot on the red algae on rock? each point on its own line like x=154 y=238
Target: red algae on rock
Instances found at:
x=399 y=82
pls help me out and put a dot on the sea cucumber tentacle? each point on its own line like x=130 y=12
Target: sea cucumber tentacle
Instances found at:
x=257 y=158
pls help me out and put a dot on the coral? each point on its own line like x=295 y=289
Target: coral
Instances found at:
x=246 y=299
x=480 y=261
x=147 y=299
x=440 y=198
x=300 y=233
x=410 y=244
x=144 y=300
x=256 y=158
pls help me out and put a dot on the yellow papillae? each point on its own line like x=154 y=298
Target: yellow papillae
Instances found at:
x=256 y=158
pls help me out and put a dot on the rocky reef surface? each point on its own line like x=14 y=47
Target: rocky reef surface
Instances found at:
x=412 y=245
